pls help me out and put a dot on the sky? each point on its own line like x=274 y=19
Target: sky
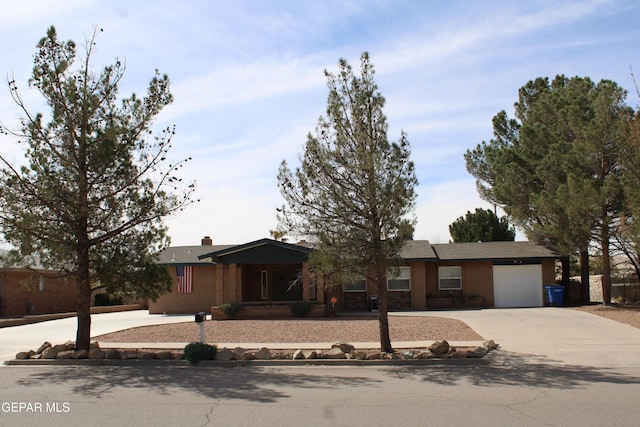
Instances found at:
x=248 y=83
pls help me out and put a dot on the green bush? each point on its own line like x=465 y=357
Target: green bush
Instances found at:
x=101 y=300
x=197 y=351
x=300 y=308
x=231 y=308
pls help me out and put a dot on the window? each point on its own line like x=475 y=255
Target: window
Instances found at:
x=264 y=284
x=41 y=285
x=399 y=280
x=450 y=278
x=359 y=286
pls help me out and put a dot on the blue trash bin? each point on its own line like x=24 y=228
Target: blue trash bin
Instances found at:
x=555 y=295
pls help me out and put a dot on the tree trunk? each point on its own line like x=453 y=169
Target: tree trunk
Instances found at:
x=606 y=262
x=383 y=318
x=584 y=275
x=83 y=334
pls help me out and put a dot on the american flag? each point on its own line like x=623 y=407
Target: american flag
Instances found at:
x=184 y=274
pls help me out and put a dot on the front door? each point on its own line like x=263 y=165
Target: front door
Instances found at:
x=287 y=285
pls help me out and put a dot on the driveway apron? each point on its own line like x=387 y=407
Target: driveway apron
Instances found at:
x=553 y=334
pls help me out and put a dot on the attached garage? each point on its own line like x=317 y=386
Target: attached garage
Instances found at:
x=517 y=285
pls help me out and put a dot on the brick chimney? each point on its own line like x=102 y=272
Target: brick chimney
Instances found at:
x=207 y=241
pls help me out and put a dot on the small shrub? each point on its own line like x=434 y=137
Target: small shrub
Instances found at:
x=197 y=351
x=101 y=300
x=300 y=308
x=231 y=309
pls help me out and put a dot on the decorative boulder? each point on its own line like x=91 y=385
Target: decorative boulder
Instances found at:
x=69 y=345
x=310 y=354
x=50 y=353
x=22 y=355
x=165 y=355
x=43 y=347
x=224 y=355
x=81 y=354
x=128 y=355
x=263 y=354
x=358 y=355
x=439 y=347
x=297 y=355
x=335 y=353
x=96 y=353
x=373 y=355
x=112 y=353
x=345 y=347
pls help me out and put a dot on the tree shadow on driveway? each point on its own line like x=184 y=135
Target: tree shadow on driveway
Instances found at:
x=524 y=370
x=247 y=383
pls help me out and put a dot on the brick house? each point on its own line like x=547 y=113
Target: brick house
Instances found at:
x=25 y=292
x=269 y=272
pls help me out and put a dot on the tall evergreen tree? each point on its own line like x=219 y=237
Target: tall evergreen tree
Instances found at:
x=555 y=167
x=91 y=200
x=354 y=191
x=483 y=225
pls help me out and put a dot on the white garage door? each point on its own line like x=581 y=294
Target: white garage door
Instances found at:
x=517 y=285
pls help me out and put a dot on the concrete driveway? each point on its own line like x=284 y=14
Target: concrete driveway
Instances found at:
x=553 y=335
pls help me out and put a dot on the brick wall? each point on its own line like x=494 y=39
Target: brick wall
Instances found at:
x=25 y=292
x=201 y=299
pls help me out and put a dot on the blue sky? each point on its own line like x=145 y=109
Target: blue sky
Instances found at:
x=248 y=82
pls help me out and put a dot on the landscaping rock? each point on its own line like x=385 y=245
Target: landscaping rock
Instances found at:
x=439 y=347
x=263 y=354
x=80 y=354
x=297 y=355
x=49 y=353
x=112 y=353
x=22 y=355
x=31 y=353
x=238 y=352
x=310 y=354
x=148 y=355
x=128 y=355
x=343 y=346
x=65 y=355
x=70 y=345
x=358 y=355
x=94 y=344
x=43 y=347
x=410 y=355
x=248 y=355
x=477 y=352
x=490 y=345
x=373 y=355
x=165 y=355
x=336 y=353
x=224 y=355
x=96 y=353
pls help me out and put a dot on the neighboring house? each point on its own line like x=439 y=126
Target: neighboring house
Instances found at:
x=492 y=274
x=34 y=291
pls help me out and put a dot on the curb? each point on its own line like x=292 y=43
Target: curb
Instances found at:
x=253 y=363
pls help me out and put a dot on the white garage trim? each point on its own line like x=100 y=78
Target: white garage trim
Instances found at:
x=517 y=285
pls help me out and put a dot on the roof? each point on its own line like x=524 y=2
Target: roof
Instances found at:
x=263 y=251
x=418 y=250
x=478 y=251
x=266 y=251
x=188 y=254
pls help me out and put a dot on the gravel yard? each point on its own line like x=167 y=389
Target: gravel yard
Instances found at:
x=629 y=314
x=354 y=329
